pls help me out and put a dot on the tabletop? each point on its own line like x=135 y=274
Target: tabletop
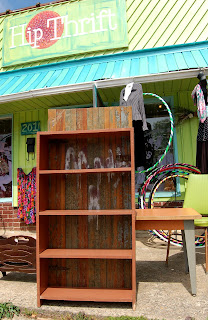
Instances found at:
x=167 y=214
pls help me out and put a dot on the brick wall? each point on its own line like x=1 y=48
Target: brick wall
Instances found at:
x=9 y=220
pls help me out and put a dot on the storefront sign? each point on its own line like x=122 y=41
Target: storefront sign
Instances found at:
x=30 y=128
x=70 y=28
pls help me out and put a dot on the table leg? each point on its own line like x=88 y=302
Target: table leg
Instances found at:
x=185 y=252
x=189 y=232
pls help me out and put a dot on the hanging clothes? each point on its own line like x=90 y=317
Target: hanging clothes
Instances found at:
x=136 y=101
x=199 y=96
x=128 y=90
x=139 y=145
x=26 y=186
x=132 y=95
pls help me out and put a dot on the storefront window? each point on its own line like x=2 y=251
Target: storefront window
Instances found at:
x=156 y=140
x=157 y=137
x=5 y=158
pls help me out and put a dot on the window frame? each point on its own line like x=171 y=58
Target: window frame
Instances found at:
x=2 y=117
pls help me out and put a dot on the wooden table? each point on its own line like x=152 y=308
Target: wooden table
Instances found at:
x=174 y=219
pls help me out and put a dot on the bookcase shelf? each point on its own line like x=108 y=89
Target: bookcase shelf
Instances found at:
x=85 y=216
x=87 y=253
x=85 y=212
x=82 y=171
x=101 y=295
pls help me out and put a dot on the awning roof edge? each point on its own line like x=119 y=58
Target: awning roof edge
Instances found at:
x=99 y=84
x=148 y=65
x=109 y=57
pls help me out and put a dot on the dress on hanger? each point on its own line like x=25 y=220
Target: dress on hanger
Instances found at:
x=199 y=95
x=132 y=95
x=26 y=187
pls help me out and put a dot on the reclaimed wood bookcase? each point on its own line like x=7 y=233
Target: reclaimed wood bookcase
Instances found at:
x=86 y=216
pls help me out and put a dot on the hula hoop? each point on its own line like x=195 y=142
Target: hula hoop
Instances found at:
x=161 y=171
x=158 y=183
x=171 y=132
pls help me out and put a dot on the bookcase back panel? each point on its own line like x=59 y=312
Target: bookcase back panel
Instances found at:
x=98 y=151
x=93 y=191
x=90 y=232
x=98 y=191
x=90 y=273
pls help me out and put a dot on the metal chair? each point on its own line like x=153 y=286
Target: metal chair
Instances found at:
x=196 y=197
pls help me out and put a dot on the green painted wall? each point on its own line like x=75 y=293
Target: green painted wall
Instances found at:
x=186 y=131
x=151 y=23
x=19 y=143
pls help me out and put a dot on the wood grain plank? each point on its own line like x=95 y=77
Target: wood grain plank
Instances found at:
x=53 y=205
x=107 y=118
x=103 y=273
x=110 y=273
x=73 y=263
x=101 y=118
x=87 y=295
x=71 y=119
x=128 y=274
x=60 y=119
x=126 y=117
x=83 y=221
x=90 y=118
x=96 y=118
x=112 y=117
x=117 y=117
x=62 y=219
x=51 y=119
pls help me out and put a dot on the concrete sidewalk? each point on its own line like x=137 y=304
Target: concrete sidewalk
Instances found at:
x=162 y=293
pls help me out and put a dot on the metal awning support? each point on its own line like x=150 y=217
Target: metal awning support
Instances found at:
x=97 y=100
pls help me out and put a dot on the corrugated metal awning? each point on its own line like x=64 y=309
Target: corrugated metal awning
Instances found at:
x=147 y=65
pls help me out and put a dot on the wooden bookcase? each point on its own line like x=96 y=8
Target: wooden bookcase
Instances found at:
x=86 y=216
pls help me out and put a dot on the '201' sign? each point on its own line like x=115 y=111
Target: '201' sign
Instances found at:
x=30 y=127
